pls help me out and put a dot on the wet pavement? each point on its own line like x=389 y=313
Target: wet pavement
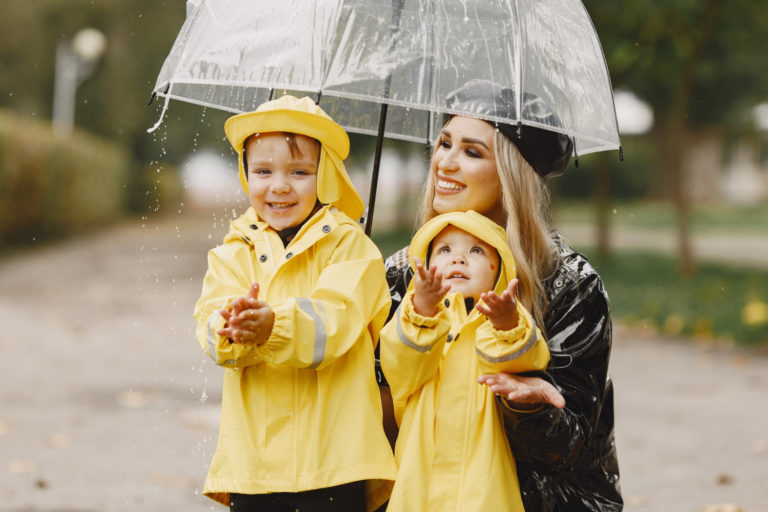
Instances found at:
x=108 y=403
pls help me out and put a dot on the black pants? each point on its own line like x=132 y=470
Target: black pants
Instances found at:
x=341 y=498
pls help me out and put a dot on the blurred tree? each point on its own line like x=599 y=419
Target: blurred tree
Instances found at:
x=698 y=63
x=113 y=102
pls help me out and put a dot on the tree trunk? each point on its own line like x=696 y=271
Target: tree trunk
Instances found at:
x=603 y=206
x=675 y=142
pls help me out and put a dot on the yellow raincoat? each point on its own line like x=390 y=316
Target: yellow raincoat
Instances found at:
x=301 y=411
x=451 y=450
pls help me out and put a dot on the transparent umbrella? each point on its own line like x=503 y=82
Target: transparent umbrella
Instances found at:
x=388 y=68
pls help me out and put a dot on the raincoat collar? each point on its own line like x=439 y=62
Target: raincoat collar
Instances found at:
x=478 y=225
x=248 y=226
x=294 y=115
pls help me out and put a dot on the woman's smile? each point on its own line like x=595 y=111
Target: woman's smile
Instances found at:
x=446 y=186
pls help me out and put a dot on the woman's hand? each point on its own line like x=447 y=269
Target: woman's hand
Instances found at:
x=428 y=289
x=523 y=392
x=501 y=310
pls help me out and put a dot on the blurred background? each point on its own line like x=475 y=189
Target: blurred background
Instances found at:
x=104 y=228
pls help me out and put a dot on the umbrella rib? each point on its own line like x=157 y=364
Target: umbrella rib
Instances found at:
x=183 y=53
x=518 y=64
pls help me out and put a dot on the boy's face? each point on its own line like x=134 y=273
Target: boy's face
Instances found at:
x=282 y=184
x=468 y=264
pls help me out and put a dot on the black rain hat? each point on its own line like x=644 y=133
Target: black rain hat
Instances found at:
x=548 y=152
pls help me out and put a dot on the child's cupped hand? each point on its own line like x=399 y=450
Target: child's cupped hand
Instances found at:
x=429 y=289
x=501 y=310
x=249 y=320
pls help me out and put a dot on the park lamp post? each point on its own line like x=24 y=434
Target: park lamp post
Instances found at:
x=75 y=61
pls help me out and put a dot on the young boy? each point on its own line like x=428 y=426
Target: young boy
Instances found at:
x=291 y=306
x=459 y=320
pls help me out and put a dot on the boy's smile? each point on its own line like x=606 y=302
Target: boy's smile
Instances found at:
x=468 y=264
x=282 y=177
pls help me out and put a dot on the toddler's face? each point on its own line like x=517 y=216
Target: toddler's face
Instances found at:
x=468 y=264
x=282 y=181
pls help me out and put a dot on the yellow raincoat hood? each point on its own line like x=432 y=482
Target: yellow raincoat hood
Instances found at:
x=294 y=115
x=475 y=224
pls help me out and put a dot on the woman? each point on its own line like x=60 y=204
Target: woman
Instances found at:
x=566 y=458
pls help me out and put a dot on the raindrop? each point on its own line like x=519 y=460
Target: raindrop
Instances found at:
x=203 y=397
x=614 y=211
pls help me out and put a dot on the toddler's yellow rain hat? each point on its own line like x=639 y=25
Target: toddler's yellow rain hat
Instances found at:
x=303 y=116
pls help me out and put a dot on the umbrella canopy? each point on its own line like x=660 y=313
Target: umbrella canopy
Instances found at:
x=392 y=68
x=409 y=54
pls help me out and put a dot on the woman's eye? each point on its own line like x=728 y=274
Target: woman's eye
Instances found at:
x=446 y=144
x=474 y=153
x=262 y=171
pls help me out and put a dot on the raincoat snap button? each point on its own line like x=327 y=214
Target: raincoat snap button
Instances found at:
x=254 y=226
x=263 y=258
x=326 y=228
x=450 y=338
x=288 y=256
x=447 y=303
x=559 y=283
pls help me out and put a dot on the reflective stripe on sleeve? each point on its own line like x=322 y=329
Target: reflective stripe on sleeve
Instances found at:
x=212 y=342
x=404 y=339
x=320 y=334
x=514 y=355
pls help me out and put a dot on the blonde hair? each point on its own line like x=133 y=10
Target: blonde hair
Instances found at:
x=525 y=200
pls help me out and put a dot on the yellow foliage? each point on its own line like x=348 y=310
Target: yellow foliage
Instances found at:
x=754 y=313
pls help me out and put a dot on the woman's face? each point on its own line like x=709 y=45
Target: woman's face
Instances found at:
x=464 y=169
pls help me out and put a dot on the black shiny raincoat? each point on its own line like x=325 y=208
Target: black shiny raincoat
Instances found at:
x=566 y=459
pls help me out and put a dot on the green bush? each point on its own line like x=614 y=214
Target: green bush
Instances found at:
x=55 y=185
x=155 y=188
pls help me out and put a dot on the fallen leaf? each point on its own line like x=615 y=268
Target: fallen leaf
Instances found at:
x=133 y=399
x=724 y=479
x=727 y=507
x=20 y=466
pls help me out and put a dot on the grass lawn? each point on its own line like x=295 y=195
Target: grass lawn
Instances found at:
x=719 y=301
x=661 y=215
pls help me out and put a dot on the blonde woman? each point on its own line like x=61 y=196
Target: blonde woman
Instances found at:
x=559 y=422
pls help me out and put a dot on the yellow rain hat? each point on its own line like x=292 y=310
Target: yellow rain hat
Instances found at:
x=302 y=116
x=476 y=225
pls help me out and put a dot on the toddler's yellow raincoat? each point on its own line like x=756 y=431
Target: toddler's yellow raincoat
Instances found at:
x=302 y=411
x=451 y=450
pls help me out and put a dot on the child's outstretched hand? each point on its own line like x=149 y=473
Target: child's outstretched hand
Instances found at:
x=428 y=289
x=501 y=310
x=250 y=320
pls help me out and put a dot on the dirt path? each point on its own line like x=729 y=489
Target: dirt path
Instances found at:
x=109 y=405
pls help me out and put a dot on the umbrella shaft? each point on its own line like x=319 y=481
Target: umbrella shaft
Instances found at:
x=376 y=164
